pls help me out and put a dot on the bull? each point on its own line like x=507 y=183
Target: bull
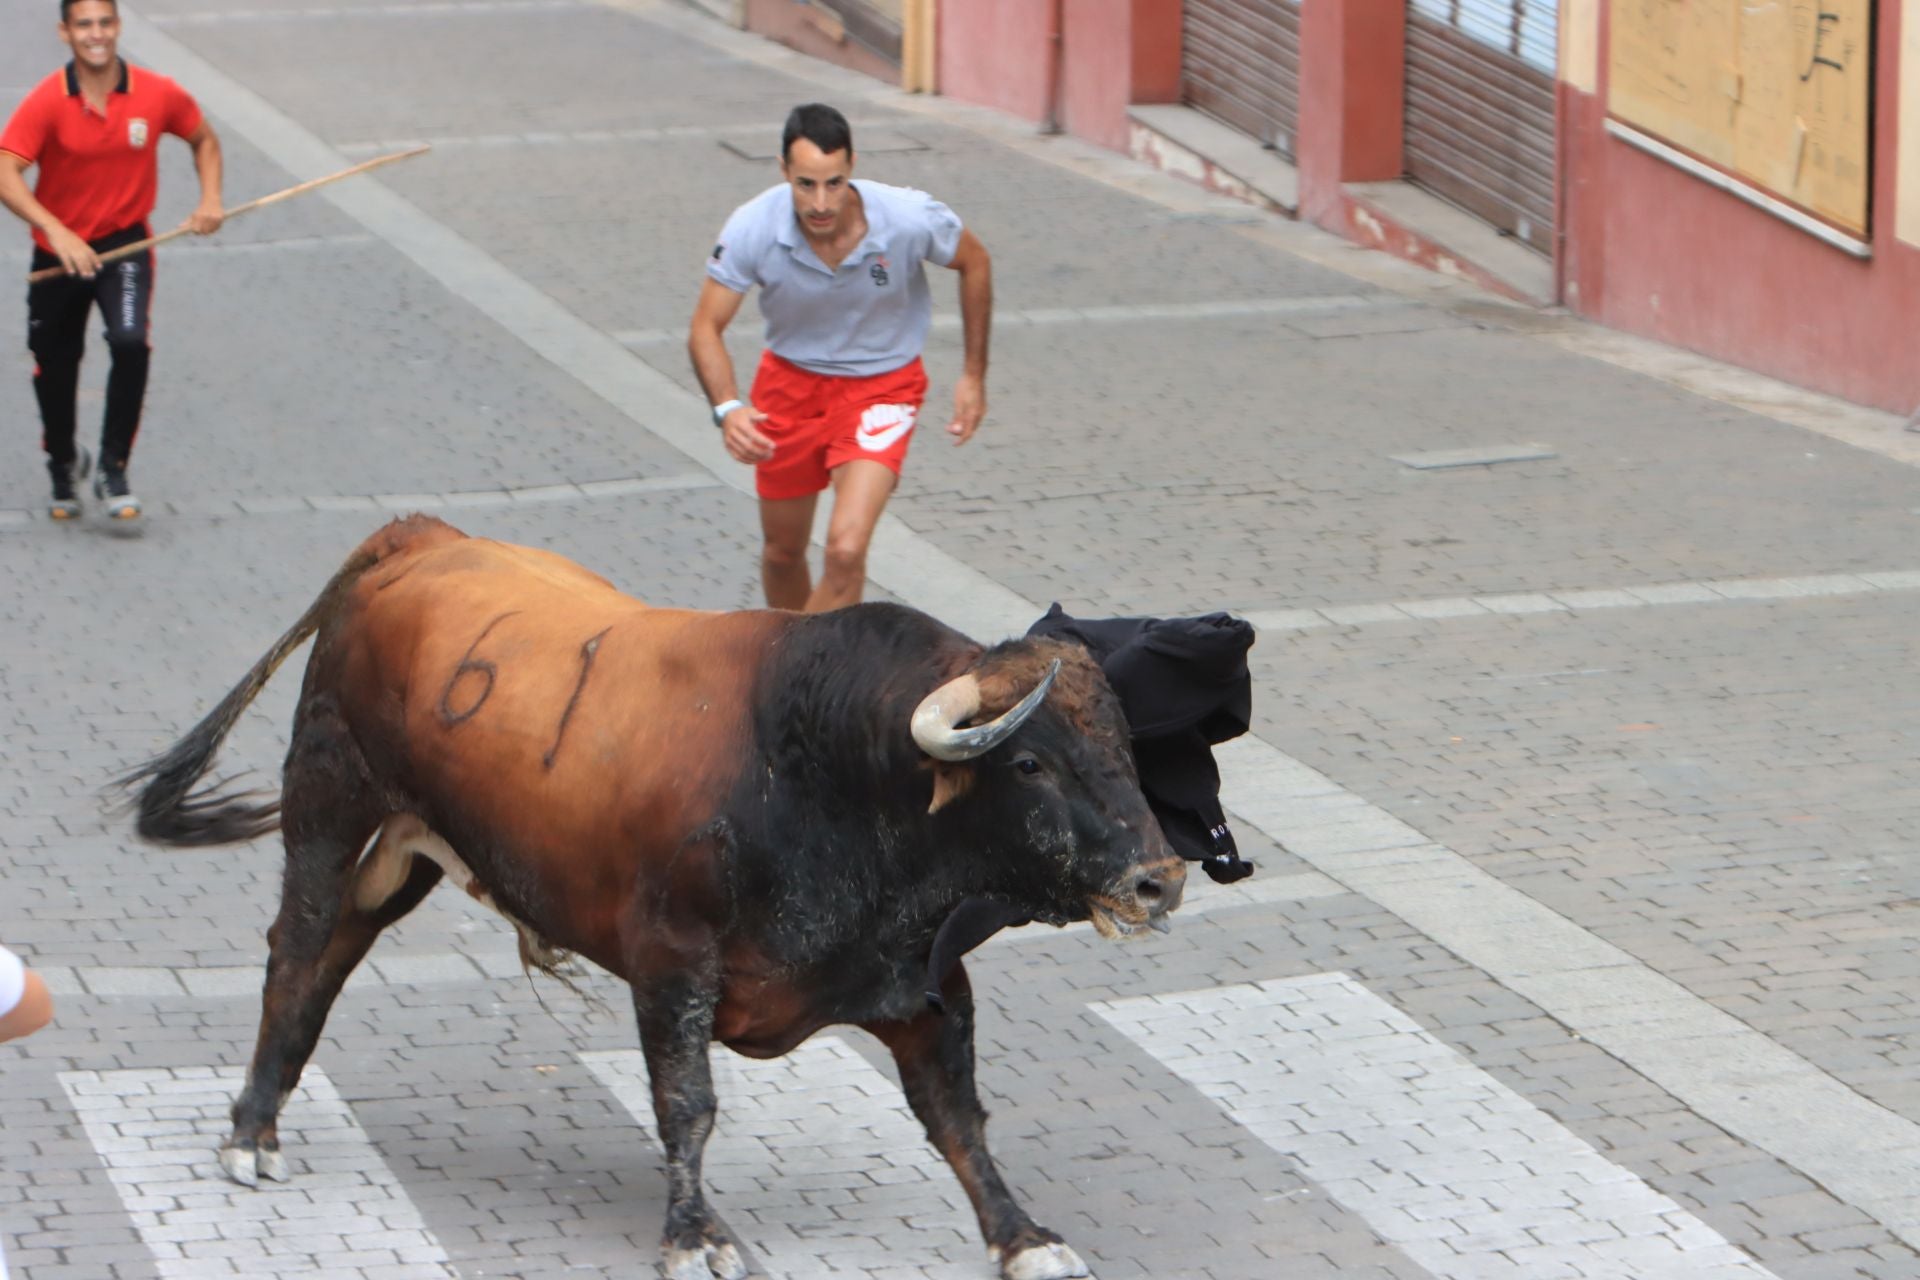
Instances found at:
x=758 y=819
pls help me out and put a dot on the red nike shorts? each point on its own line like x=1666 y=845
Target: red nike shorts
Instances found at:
x=818 y=421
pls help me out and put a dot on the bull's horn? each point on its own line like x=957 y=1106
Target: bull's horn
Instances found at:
x=934 y=719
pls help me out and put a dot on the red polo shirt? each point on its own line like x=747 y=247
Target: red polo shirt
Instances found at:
x=98 y=173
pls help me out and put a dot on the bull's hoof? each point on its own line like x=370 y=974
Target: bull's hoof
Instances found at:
x=242 y=1164
x=1052 y=1261
x=705 y=1262
x=247 y=1164
x=273 y=1165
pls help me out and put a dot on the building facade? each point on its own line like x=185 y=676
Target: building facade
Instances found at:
x=1720 y=176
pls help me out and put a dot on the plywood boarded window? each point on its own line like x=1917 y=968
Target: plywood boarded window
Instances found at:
x=1774 y=91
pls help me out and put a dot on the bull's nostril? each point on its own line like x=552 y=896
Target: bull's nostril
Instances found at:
x=1148 y=891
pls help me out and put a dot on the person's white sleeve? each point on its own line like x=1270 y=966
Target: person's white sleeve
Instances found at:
x=13 y=981
x=943 y=232
x=735 y=259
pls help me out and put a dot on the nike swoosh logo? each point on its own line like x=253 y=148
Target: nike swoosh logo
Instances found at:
x=882 y=425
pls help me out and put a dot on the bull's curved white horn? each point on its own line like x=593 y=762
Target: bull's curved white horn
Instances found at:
x=934 y=719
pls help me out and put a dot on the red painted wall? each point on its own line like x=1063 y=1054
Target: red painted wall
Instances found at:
x=1114 y=53
x=1653 y=250
x=1156 y=50
x=995 y=53
x=1352 y=101
x=1373 y=105
x=1097 y=71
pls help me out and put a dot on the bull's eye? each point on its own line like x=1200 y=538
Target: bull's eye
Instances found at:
x=1027 y=764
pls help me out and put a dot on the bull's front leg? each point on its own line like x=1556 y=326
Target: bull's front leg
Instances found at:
x=935 y=1055
x=676 y=1027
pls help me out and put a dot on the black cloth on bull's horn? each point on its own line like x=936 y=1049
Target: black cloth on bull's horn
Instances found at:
x=1184 y=687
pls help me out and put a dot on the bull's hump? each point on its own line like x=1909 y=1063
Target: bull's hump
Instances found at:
x=410 y=535
x=485 y=568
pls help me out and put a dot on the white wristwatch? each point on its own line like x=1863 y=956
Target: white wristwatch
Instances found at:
x=720 y=411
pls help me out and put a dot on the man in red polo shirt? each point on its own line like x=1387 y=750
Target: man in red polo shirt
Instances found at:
x=93 y=129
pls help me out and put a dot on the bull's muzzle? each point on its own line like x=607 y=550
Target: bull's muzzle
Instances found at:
x=1141 y=899
x=1159 y=887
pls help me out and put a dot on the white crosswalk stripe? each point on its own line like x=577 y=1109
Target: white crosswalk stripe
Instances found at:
x=1464 y=1175
x=157 y=1133
x=820 y=1119
x=820 y=1168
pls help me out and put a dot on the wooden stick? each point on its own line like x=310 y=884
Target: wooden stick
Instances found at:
x=128 y=250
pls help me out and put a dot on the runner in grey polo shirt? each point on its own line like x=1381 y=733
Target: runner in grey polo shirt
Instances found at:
x=839 y=388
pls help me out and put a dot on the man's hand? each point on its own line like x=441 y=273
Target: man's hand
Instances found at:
x=74 y=253
x=969 y=406
x=206 y=219
x=742 y=436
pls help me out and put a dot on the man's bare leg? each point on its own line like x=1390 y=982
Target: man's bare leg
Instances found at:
x=786 y=525
x=860 y=493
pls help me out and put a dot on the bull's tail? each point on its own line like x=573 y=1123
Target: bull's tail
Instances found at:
x=169 y=810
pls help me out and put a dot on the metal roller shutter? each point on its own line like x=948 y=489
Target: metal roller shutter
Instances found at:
x=1240 y=63
x=1480 y=107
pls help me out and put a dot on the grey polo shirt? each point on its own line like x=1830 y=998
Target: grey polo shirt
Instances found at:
x=869 y=316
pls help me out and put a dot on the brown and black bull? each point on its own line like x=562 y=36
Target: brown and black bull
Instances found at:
x=759 y=820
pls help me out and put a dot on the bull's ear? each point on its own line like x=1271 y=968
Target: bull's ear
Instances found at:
x=950 y=782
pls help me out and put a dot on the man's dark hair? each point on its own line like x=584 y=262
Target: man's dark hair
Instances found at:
x=819 y=124
x=68 y=4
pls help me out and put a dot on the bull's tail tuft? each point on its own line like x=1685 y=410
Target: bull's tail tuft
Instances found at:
x=170 y=811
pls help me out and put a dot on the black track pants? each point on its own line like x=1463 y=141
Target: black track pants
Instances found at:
x=56 y=334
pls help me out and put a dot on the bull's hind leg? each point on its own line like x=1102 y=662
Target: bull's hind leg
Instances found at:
x=676 y=1029
x=934 y=1053
x=322 y=933
x=329 y=917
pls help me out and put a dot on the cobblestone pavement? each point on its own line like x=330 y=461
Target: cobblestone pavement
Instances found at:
x=1582 y=788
